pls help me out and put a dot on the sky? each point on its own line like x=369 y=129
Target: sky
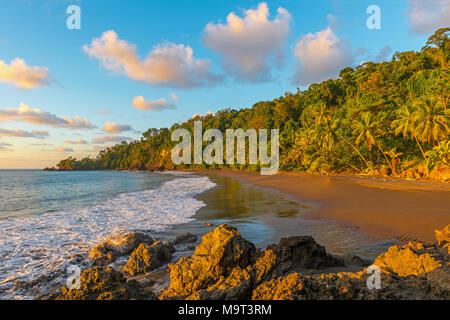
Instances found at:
x=69 y=91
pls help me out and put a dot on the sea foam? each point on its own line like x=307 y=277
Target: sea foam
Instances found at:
x=43 y=246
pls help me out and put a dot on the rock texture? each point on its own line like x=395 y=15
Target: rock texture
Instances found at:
x=185 y=238
x=104 y=284
x=220 y=251
x=115 y=246
x=147 y=258
x=226 y=266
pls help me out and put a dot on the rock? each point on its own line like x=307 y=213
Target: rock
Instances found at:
x=413 y=258
x=443 y=236
x=185 y=238
x=118 y=245
x=147 y=258
x=220 y=251
x=104 y=284
x=302 y=252
x=282 y=288
x=354 y=260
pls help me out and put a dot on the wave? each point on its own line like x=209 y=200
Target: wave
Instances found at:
x=42 y=245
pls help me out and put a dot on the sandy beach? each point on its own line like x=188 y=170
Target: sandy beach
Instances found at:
x=382 y=208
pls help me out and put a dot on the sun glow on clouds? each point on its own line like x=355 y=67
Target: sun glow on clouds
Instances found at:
x=114 y=127
x=153 y=105
x=22 y=133
x=36 y=116
x=23 y=76
x=168 y=64
x=247 y=44
x=320 y=56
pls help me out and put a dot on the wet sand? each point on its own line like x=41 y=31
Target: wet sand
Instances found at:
x=380 y=208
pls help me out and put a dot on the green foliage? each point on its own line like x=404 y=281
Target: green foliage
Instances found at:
x=376 y=116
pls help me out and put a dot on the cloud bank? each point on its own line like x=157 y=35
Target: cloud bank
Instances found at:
x=22 y=134
x=23 y=76
x=36 y=116
x=247 y=44
x=427 y=16
x=169 y=64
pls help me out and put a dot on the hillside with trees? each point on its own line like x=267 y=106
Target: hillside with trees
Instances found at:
x=386 y=118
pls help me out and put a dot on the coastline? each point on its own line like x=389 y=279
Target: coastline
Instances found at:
x=380 y=208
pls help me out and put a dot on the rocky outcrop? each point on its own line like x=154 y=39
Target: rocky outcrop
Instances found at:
x=118 y=245
x=226 y=266
x=443 y=236
x=220 y=251
x=414 y=258
x=104 y=284
x=147 y=258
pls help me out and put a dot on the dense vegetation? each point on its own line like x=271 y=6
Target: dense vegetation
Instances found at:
x=380 y=118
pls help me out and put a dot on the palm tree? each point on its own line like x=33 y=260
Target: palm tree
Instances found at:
x=365 y=128
x=439 y=155
x=395 y=157
x=405 y=124
x=431 y=121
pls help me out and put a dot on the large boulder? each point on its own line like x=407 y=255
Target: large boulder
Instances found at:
x=147 y=258
x=104 y=284
x=414 y=258
x=117 y=245
x=220 y=251
x=443 y=236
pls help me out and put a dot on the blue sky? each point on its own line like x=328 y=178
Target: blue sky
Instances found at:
x=233 y=64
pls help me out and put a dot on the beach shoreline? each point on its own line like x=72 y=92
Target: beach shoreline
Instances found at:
x=380 y=208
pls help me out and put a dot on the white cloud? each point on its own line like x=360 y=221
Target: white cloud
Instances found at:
x=427 y=16
x=36 y=116
x=114 y=127
x=321 y=56
x=167 y=64
x=22 y=134
x=78 y=141
x=152 y=105
x=111 y=138
x=247 y=44
x=174 y=97
x=23 y=76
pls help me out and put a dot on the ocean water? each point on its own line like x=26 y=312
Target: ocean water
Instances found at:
x=47 y=219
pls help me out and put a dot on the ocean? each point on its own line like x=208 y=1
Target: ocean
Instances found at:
x=51 y=220
x=48 y=218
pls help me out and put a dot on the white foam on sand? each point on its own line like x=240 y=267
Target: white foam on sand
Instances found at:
x=42 y=246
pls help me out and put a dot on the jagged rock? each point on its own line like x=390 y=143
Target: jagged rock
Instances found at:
x=443 y=236
x=220 y=251
x=104 y=284
x=146 y=258
x=237 y=286
x=303 y=252
x=185 y=238
x=118 y=245
x=282 y=288
x=413 y=258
